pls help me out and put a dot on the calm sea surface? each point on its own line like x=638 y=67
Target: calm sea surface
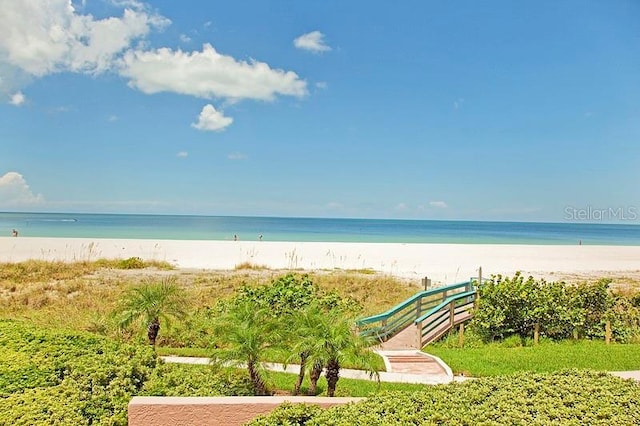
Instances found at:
x=311 y=229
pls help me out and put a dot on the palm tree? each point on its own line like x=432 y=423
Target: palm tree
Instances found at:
x=302 y=338
x=244 y=333
x=336 y=342
x=150 y=303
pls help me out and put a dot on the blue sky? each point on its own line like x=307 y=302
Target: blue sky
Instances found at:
x=496 y=110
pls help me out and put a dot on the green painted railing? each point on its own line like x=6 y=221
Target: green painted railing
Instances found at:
x=443 y=317
x=387 y=324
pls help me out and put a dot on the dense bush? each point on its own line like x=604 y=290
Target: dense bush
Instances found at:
x=569 y=397
x=60 y=377
x=196 y=380
x=290 y=293
x=512 y=306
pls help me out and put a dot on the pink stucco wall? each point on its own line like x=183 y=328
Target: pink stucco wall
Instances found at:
x=219 y=411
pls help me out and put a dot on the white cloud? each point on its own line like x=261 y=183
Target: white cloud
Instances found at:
x=207 y=74
x=112 y=118
x=237 y=156
x=313 y=41
x=402 y=207
x=212 y=120
x=183 y=154
x=185 y=38
x=438 y=204
x=17 y=99
x=323 y=85
x=43 y=37
x=15 y=192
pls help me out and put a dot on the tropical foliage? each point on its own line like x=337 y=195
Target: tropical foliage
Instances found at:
x=513 y=306
x=244 y=334
x=150 y=303
x=60 y=377
x=564 y=398
x=295 y=317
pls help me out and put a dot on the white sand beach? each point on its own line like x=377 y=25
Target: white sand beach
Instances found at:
x=443 y=263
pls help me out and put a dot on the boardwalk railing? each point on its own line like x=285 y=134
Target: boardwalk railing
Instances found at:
x=424 y=309
x=443 y=317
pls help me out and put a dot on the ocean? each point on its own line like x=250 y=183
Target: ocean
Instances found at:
x=183 y=227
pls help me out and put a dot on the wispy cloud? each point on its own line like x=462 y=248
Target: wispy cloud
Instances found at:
x=182 y=154
x=438 y=204
x=211 y=120
x=237 y=156
x=313 y=42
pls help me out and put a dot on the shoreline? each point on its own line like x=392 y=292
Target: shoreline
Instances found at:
x=443 y=263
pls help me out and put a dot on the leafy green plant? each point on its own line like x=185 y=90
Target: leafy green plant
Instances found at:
x=569 y=397
x=62 y=377
x=244 y=333
x=514 y=306
x=131 y=263
x=151 y=302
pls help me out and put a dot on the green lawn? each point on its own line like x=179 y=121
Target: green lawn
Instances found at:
x=346 y=387
x=493 y=360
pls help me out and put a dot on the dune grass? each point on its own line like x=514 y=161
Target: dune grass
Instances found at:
x=81 y=295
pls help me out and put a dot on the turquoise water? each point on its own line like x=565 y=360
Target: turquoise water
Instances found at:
x=312 y=229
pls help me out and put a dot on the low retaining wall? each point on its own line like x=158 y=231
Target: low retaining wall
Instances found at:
x=219 y=411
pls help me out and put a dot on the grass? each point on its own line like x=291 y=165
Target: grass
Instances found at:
x=77 y=294
x=346 y=387
x=493 y=359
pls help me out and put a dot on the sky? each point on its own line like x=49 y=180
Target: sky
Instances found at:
x=420 y=109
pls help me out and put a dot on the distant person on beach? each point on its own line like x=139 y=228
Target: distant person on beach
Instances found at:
x=235 y=238
x=14 y=233
x=260 y=237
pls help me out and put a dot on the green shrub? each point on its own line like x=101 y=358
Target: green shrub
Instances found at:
x=513 y=306
x=131 y=263
x=196 y=380
x=569 y=397
x=60 y=377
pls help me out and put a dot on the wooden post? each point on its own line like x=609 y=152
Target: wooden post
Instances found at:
x=607 y=332
x=536 y=333
x=477 y=298
x=452 y=314
x=461 y=335
x=418 y=343
x=418 y=307
x=426 y=282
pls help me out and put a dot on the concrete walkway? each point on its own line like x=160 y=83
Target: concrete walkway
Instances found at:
x=409 y=366
x=403 y=366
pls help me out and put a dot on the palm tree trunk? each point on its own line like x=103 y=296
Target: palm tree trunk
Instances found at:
x=313 y=377
x=259 y=388
x=303 y=366
x=333 y=374
x=152 y=331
